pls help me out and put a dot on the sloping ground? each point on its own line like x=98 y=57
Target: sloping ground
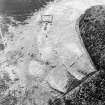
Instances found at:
x=21 y=9
x=48 y=58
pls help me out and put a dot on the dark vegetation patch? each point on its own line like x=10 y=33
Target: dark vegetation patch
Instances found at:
x=21 y=9
x=92 y=32
x=92 y=92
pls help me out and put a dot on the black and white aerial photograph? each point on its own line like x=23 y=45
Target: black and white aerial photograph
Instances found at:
x=52 y=52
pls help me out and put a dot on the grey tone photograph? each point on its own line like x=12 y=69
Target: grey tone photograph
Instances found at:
x=52 y=52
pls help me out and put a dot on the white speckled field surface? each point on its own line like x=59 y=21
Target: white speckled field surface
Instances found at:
x=44 y=60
